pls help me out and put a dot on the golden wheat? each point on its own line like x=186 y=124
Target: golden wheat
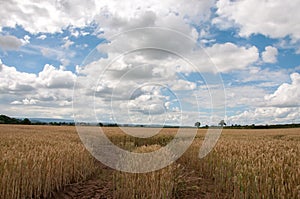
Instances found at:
x=253 y=164
x=156 y=184
x=35 y=161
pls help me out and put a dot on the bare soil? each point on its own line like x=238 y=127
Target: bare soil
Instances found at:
x=101 y=186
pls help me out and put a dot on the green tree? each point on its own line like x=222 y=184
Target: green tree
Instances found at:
x=222 y=123
x=197 y=124
x=26 y=121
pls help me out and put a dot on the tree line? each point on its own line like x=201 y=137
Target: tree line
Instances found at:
x=4 y=119
x=8 y=120
x=252 y=126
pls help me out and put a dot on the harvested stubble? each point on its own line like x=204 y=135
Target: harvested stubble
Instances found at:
x=34 y=161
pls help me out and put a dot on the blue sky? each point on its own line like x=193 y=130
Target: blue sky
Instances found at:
x=245 y=57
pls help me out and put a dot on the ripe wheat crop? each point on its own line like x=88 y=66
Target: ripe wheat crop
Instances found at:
x=253 y=164
x=38 y=160
x=34 y=161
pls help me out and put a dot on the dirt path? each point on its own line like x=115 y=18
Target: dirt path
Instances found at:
x=85 y=190
x=98 y=187
x=101 y=187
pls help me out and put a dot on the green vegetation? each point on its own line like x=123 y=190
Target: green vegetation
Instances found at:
x=253 y=126
x=8 y=120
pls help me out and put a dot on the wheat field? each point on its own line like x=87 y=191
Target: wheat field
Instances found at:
x=36 y=161
x=255 y=164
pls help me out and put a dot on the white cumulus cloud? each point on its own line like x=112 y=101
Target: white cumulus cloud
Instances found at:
x=270 y=54
x=29 y=101
x=287 y=95
x=51 y=88
x=264 y=17
x=228 y=56
x=12 y=80
x=280 y=107
x=51 y=77
x=50 y=17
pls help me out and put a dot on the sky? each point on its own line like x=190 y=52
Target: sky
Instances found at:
x=151 y=62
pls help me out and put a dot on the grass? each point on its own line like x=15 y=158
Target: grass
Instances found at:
x=38 y=160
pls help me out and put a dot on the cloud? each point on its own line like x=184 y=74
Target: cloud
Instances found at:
x=50 y=52
x=67 y=43
x=267 y=115
x=29 y=101
x=228 y=57
x=267 y=20
x=8 y=42
x=270 y=54
x=287 y=95
x=51 y=77
x=183 y=85
x=147 y=104
x=26 y=40
x=37 y=110
x=239 y=96
x=16 y=102
x=12 y=80
x=65 y=103
x=122 y=79
x=280 y=107
x=109 y=17
x=31 y=15
x=260 y=76
x=25 y=101
x=42 y=37
x=51 y=88
x=1 y=65
x=119 y=16
x=63 y=55
x=172 y=58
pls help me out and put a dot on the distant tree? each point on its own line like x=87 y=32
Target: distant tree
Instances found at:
x=101 y=124
x=222 y=123
x=197 y=124
x=26 y=121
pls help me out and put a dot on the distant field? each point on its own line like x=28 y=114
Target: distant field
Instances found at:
x=51 y=161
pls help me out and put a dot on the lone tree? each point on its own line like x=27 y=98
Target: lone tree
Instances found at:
x=197 y=124
x=222 y=123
